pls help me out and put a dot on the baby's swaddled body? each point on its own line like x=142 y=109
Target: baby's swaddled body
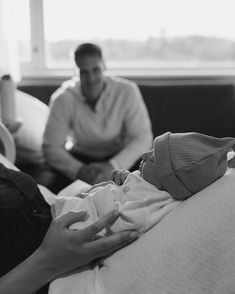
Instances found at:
x=141 y=204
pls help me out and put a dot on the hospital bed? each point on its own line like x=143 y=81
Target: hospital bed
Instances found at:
x=8 y=148
x=192 y=250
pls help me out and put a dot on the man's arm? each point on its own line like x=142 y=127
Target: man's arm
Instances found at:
x=137 y=126
x=56 y=131
x=137 y=135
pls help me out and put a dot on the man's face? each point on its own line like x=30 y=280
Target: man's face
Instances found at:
x=148 y=169
x=91 y=69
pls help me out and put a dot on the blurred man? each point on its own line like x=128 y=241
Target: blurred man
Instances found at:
x=97 y=123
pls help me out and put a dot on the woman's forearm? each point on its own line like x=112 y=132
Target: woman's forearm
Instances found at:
x=29 y=276
x=63 y=250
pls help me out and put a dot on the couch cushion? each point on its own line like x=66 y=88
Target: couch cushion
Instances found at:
x=29 y=137
x=208 y=109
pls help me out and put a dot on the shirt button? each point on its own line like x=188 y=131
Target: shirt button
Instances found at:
x=126 y=189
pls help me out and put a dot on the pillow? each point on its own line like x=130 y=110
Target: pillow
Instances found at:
x=7 y=144
x=29 y=137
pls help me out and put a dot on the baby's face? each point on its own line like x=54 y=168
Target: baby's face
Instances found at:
x=148 y=169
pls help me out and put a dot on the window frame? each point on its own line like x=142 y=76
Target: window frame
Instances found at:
x=36 y=68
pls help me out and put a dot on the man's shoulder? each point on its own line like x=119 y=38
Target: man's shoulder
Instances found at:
x=120 y=82
x=67 y=91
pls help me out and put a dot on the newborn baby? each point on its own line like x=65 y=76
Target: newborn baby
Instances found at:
x=178 y=166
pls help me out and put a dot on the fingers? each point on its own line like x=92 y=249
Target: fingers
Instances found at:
x=116 y=172
x=107 y=245
x=105 y=221
x=71 y=217
x=119 y=176
x=116 y=176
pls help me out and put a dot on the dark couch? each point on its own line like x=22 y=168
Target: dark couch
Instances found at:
x=208 y=109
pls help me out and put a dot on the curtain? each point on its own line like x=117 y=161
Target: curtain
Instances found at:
x=9 y=58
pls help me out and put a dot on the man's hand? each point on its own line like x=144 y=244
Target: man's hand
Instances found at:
x=87 y=173
x=103 y=171
x=66 y=249
x=119 y=176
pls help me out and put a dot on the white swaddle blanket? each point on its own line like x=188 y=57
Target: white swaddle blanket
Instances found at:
x=141 y=204
x=192 y=250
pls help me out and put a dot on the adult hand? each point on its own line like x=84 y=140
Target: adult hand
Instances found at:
x=66 y=249
x=119 y=176
x=87 y=174
x=103 y=171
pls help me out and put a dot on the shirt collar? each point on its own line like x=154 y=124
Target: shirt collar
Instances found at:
x=103 y=96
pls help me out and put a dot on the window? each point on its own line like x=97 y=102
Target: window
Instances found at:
x=144 y=35
x=23 y=29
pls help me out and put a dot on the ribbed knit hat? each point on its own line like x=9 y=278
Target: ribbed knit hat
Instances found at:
x=188 y=162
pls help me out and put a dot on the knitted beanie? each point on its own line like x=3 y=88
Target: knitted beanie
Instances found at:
x=188 y=162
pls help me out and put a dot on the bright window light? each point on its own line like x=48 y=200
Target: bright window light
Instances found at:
x=22 y=27
x=142 y=34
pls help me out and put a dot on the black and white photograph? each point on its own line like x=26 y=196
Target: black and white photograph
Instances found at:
x=117 y=147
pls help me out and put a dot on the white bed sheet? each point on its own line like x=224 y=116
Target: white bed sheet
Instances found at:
x=192 y=250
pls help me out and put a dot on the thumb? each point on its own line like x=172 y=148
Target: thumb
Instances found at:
x=71 y=217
